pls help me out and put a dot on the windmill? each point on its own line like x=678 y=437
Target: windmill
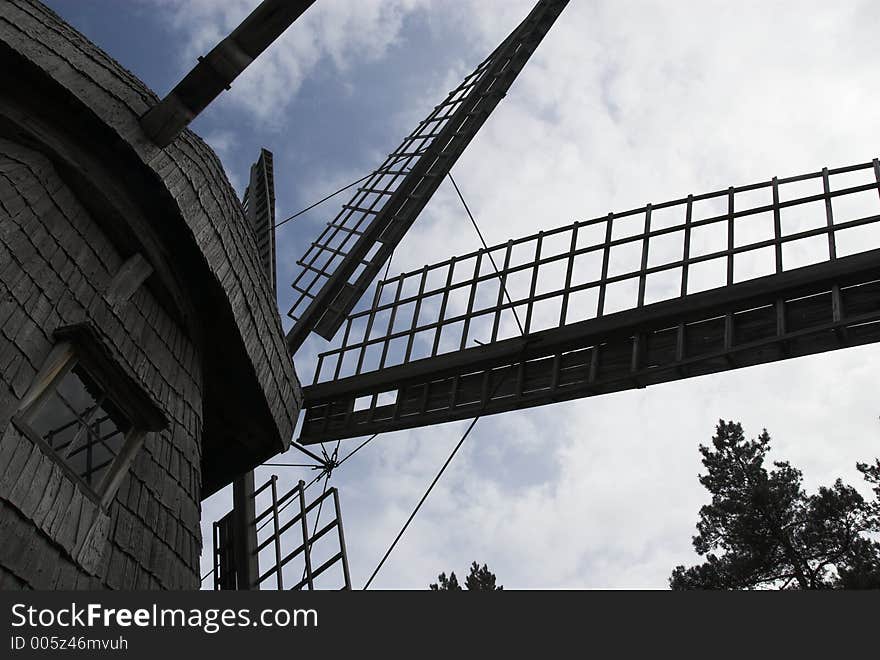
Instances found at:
x=144 y=362
x=591 y=307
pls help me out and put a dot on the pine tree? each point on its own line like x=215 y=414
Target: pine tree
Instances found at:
x=479 y=579
x=762 y=530
x=446 y=584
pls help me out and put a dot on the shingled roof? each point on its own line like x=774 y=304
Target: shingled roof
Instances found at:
x=252 y=395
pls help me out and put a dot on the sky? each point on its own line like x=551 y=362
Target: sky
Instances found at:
x=625 y=102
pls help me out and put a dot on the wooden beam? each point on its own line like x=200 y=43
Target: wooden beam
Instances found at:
x=759 y=291
x=732 y=327
x=216 y=71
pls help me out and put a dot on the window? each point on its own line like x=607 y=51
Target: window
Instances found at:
x=82 y=425
x=88 y=412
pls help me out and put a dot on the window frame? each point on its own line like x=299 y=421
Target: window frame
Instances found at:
x=80 y=345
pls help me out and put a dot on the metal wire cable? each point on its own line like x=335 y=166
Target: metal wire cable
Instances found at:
x=422 y=501
x=333 y=194
x=433 y=483
x=321 y=201
x=315 y=526
x=355 y=451
x=375 y=435
x=497 y=272
x=326 y=482
x=486 y=247
x=326 y=472
x=308 y=465
x=287 y=503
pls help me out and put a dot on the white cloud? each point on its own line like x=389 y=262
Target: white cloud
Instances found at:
x=334 y=31
x=624 y=103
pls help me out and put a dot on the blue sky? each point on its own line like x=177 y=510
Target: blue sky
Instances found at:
x=625 y=102
x=345 y=115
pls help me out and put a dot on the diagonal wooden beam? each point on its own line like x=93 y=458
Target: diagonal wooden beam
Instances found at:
x=216 y=70
x=338 y=268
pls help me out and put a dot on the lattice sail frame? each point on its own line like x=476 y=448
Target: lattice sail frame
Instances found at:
x=296 y=557
x=258 y=203
x=341 y=264
x=294 y=550
x=433 y=334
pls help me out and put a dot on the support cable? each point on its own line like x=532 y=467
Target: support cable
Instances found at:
x=497 y=272
x=433 y=483
x=329 y=463
x=298 y=465
x=486 y=248
x=358 y=448
x=321 y=201
x=375 y=435
x=333 y=462
x=287 y=503
x=422 y=501
x=315 y=526
x=385 y=277
x=333 y=194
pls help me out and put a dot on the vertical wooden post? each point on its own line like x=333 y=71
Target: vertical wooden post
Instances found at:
x=777 y=226
x=606 y=256
x=829 y=215
x=279 y=578
x=686 y=248
x=307 y=554
x=345 y=570
x=245 y=535
x=731 y=242
x=643 y=267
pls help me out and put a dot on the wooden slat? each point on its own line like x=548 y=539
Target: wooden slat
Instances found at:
x=737 y=326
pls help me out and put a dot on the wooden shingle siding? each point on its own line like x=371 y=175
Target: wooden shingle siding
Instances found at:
x=70 y=217
x=191 y=173
x=56 y=262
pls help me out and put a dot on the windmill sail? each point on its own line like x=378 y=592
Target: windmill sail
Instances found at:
x=259 y=209
x=340 y=265
x=728 y=279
